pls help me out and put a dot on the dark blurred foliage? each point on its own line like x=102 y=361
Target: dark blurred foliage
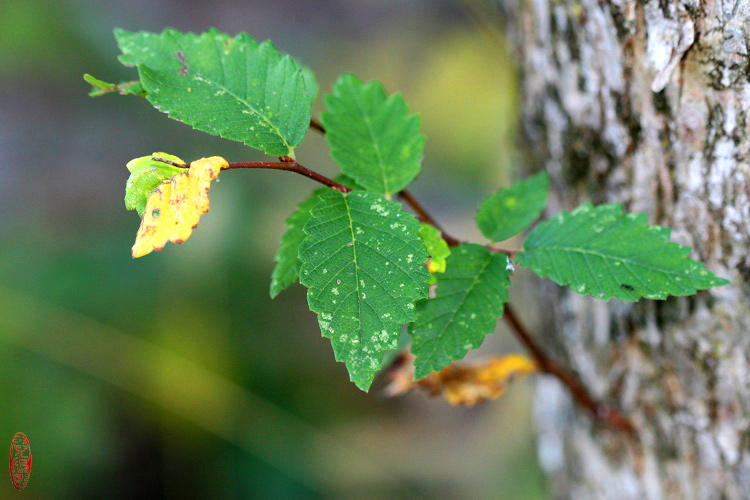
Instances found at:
x=175 y=375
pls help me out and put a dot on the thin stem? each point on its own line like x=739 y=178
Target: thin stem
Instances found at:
x=286 y=163
x=421 y=213
x=316 y=125
x=606 y=414
x=507 y=251
x=291 y=166
x=423 y=216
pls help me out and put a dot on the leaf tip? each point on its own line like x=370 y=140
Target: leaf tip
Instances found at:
x=717 y=281
x=364 y=384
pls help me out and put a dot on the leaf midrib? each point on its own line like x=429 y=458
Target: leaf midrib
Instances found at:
x=250 y=107
x=374 y=142
x=356 y=274
x=606 y=257
x=460 y=304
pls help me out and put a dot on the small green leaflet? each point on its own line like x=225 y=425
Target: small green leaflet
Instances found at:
x=510 y=211
x=602 y=252
x=437 y=248
x=100 y=87
x=372 y=137
x=470 y=296
x=235 y=87
x=286 y=271
x=363 y=265
x=145 y=176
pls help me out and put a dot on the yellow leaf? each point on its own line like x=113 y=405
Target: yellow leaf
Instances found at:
x=173 y=209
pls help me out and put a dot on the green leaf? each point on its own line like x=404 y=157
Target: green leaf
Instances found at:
x=602 y=252
x=510 y=211
x=363 y=265
x=100 y=87
x=470 y=296
x=145 y=176
x=287 y=267
x=437 y=248
x=372 y=136
x=235 y=87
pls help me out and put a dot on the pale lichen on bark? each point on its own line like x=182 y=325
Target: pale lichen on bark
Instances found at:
x=646 y=103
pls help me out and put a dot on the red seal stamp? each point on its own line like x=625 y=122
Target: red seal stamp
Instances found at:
x=20 y=461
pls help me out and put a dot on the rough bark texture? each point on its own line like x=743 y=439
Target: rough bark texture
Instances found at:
x=646 y=103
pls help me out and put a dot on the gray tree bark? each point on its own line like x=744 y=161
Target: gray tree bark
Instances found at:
x=646 y=103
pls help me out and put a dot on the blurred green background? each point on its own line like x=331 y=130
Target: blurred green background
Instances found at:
x=175 y=375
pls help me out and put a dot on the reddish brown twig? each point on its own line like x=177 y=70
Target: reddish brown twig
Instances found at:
x=603 y=413
x=316 y=125
x=507 y=251
x=286 y=163
x=292 y=165
x=423 y=216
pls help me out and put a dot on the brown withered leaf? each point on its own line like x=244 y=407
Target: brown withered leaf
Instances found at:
x=461 y=383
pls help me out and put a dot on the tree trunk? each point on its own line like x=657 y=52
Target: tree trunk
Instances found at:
x=646 y=103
